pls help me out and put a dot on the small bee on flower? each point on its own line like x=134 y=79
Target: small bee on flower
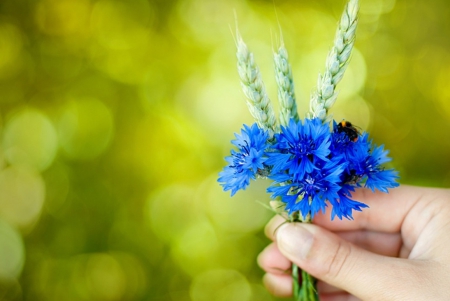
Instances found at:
x=349 y=129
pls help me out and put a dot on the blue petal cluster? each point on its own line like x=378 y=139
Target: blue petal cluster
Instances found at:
x=305 y=174
x=244 y=164
x=364 y=161
x=310 y=166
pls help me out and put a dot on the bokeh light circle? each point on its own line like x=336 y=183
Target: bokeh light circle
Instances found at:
x=220 y=285
x=30 y=139
x=22 y=195
x=121 y=24
x=11 y=41
x=63 y=17
x=196 y=248
x=174 y=203
x=355 y=109
x=104 y=277
x=12 y=252
x=85 y=128
x=245 y=212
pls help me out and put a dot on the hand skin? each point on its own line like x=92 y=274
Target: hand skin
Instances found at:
x=398 y=249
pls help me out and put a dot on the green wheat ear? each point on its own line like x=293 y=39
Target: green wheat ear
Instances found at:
x=252 y=84
x=285 y=83
x=337 y=61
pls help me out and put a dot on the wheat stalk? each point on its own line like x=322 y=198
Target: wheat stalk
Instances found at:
x=337 y=61
x=285 y=83
x=258 y=101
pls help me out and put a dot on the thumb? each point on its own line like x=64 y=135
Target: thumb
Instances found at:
x=342 y=264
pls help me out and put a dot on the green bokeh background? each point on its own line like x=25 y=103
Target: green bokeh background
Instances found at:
x=115 y=117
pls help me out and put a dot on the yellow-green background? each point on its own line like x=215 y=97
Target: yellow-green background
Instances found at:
x=115 y=117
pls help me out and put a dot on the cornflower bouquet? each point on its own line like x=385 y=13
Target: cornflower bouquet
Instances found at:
x=315 y=162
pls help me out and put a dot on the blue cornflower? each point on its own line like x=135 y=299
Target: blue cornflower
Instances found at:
x=245 y=163
x=298 y=146
x=365 y=165
x=310 y=165
x=364 y=161
x=378 y=177
x=354 y=153
x=343 y=206
x=309 y=192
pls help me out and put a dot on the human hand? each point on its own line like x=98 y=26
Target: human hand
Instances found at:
x=398 y=249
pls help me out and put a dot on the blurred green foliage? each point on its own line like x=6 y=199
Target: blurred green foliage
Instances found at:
x=115 y=116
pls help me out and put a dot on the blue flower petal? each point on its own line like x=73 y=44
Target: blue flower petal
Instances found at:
x=244 y=164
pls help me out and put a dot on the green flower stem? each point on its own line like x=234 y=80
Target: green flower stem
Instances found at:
x=296 y=282
x=308 y=289
x=304 y=288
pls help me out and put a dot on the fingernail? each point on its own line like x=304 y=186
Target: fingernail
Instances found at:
x=294 y=240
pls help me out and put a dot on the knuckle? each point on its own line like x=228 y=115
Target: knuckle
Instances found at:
x=338 y=261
